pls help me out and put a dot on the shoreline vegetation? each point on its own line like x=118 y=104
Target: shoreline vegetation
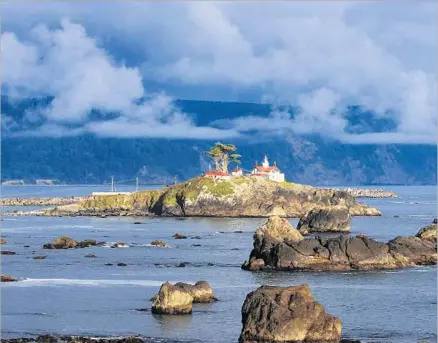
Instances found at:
x=240 y=196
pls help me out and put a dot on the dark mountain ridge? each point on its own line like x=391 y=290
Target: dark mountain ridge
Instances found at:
x=310 y=159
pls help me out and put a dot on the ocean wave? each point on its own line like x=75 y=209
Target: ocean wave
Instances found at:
x=85 y=282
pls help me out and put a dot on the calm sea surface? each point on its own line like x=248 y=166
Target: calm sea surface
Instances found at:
x=70 y=294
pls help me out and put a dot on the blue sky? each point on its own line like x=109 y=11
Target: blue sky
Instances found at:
x=319 y=56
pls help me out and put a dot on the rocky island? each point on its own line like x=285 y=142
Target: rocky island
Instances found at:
x=239 y=196
x=279 y=246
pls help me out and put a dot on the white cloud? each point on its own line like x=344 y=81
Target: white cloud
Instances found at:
x=320 y=56
x=68 y=65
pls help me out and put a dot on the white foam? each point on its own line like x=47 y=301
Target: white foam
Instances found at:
x=84 y=282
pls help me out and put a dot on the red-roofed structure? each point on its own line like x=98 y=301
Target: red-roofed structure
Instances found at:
x=215 y=174
x=268 y=172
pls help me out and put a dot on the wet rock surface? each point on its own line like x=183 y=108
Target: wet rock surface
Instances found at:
x=287 y=314
x=325 y=220
x=341 y=253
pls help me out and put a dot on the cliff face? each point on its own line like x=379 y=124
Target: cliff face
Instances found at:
x=238 y=197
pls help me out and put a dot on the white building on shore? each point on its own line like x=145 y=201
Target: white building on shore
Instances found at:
x=266 y=171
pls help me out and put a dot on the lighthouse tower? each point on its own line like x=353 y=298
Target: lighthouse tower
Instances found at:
x=265 y=163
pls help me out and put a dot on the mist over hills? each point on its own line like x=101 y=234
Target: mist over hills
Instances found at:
x=310 y=158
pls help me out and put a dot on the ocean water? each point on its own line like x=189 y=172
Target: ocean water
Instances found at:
x=70 y=294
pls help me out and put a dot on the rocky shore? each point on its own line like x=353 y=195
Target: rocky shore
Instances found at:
x=206 y=197
x=368 y=193
x=56 y=201
x=281 y=248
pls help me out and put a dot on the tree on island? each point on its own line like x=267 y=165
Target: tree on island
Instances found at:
x=221 y=155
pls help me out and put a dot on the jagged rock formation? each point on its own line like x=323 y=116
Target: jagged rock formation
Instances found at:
x=342 y=253
x=330 y=219
x=287 y=314
x=203 y=196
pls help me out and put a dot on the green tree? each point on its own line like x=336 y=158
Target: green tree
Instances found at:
x=222 y=156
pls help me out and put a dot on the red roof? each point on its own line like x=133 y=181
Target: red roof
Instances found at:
x=215 y=173
x=266 y=169
x=235 y=170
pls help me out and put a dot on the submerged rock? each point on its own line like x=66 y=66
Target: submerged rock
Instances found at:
x=325 y=220
x=7 y=252
x=87 y=243
x=172 y=300
x=342 y=253
x=40 y=257
x=287 y=314
x=159 y=243
x=7 y=278
x=120 y=245
x=90 y=256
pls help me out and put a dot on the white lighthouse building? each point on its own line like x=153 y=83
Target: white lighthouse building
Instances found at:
x=266 y=171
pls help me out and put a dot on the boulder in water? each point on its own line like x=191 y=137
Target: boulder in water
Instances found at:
x=172 y=300
x=62 y=242
x=159 y=243
x=2 y=241
x=7 y=278
x=201 y=292
x=336 y=219
x=179 y=236
x=287 y=314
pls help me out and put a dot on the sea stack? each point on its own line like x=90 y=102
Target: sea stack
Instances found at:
x=287 y=314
